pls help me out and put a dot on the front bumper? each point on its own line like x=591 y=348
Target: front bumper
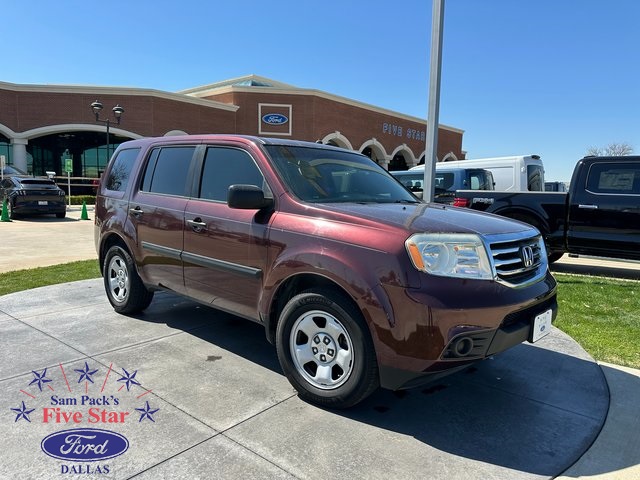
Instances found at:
x=437 y=333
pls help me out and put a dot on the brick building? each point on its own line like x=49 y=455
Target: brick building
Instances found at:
x=42 y=125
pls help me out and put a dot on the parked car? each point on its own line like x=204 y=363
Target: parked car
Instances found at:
x=356 y=281
x=27 y=195
x=599 y=215
x=520 y=173
x=446 y=181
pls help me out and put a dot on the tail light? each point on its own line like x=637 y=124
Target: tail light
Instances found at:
x=460 y=202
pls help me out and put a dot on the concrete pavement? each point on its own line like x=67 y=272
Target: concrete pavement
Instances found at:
x=218 y=406
x=615 y=455
x=41 y=241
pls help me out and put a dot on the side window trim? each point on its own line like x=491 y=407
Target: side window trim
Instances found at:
x=149 y=168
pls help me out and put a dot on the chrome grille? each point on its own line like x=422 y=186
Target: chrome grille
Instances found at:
x=518 y=262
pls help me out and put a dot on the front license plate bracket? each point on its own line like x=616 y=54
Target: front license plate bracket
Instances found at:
x=541 y=326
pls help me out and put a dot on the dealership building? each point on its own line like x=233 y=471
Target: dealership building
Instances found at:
x=45 y=128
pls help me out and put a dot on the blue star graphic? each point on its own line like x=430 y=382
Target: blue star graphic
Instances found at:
x=22 y=413
x=85 y=374
x=129 y=379
x=146 y=412
x=40 y=378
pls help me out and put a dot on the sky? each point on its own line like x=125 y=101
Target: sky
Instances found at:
x=546 y=77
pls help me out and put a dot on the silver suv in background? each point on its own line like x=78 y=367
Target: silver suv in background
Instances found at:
x=446 y=181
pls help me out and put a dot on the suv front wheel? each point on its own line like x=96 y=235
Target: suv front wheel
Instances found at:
x=325 y=349
x=125 y=290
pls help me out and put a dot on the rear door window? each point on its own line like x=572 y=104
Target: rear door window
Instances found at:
x=614 y=178
x=480 y=180
x=444 y=181
x=167 y=171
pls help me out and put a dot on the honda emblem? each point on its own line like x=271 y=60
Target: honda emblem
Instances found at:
x=526 y=253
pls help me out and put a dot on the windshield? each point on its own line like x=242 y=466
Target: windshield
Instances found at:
x=321 y=175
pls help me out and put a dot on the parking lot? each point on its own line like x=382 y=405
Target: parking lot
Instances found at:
x=212 y=401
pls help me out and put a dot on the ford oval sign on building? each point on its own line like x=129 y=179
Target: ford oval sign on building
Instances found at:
x=84 y=445
x=275 y=119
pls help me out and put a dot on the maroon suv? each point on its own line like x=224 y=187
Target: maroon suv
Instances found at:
x=356 y=281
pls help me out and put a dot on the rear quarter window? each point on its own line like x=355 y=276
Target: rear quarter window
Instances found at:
x=120 y=171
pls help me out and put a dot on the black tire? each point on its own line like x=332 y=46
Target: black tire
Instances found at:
x=12 y=214
x=125 y=290
x=333 y=340
x=61 y=214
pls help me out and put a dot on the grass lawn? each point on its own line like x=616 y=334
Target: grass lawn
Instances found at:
x=39 y=277
x=601 y=314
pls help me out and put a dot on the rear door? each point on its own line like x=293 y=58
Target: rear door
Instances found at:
x=156 y=212
x=604 y=213
x=225 y=250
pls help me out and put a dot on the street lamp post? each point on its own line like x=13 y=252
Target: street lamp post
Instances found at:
x=117 y=113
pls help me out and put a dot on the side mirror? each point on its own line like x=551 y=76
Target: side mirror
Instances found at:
x=247 y=197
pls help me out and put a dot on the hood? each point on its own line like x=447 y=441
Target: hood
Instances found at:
x=433 y=218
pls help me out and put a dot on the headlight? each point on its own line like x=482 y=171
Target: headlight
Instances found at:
x=450 y=255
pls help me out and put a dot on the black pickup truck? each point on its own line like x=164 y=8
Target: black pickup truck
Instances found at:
x=599 y=215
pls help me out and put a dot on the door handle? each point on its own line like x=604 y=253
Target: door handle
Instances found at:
x=136 y=211
x=197 y=224
x=588 y=207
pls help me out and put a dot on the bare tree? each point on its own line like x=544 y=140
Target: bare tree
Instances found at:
x=611 y=150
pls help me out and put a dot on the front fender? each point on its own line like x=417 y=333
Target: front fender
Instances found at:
x=361 y=283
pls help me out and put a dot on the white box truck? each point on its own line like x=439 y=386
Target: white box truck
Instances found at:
x=521 y=173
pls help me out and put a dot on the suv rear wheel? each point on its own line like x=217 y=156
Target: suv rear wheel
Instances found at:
x=325 y=349
x=125 y=290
